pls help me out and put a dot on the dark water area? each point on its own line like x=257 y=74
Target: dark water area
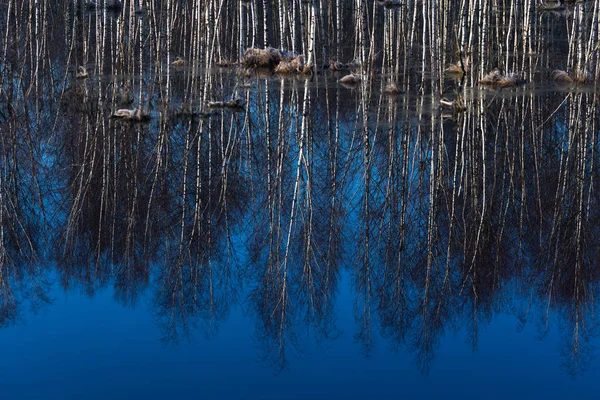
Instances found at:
x=176 y=221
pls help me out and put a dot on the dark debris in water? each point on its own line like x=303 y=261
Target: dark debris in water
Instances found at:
x=235 y=104
x=134 y=114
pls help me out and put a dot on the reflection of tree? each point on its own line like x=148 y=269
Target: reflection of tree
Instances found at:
x=459 y=217
x=445 y=217
x=291 y=251
x=199 y=278
x=394 y=303
x=567 y=271
x=103 y=231
x=22 y=222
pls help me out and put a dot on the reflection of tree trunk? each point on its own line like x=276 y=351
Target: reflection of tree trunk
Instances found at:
x=335 y=207
x=22 y=223
x=451 y=214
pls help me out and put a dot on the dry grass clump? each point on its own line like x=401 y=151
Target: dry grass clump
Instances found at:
x=282 y=62
x=262 y=58
x=583 y=78
x=339 y=66
x=457 y=69
x=498 y=80
x=392 y=89
x=336 y=66
x=178 y=62
x=560 y=76
x=307 y=69
x=292 y=66
x=492 y=78
x=351 y=79
x=565 y=78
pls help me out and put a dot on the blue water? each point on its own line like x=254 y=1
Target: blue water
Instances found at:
x=94 y=348
x=172 y=247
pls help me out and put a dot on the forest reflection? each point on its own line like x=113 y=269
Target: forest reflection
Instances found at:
x=447 y=202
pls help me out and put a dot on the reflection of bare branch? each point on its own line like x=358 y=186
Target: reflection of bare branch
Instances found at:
x=444 y=218
x=21 y=223
x=294 y=277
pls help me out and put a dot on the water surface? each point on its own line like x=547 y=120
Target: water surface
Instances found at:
x=320 y=240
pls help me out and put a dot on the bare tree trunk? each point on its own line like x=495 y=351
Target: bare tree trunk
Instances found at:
x=338 y=32
x=242 y=40
x=312 y=35
x=266 y=22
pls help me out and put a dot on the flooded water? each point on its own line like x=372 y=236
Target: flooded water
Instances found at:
x=375 y=212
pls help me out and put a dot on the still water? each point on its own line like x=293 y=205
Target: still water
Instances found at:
x=337 y=218
x=96 y=348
